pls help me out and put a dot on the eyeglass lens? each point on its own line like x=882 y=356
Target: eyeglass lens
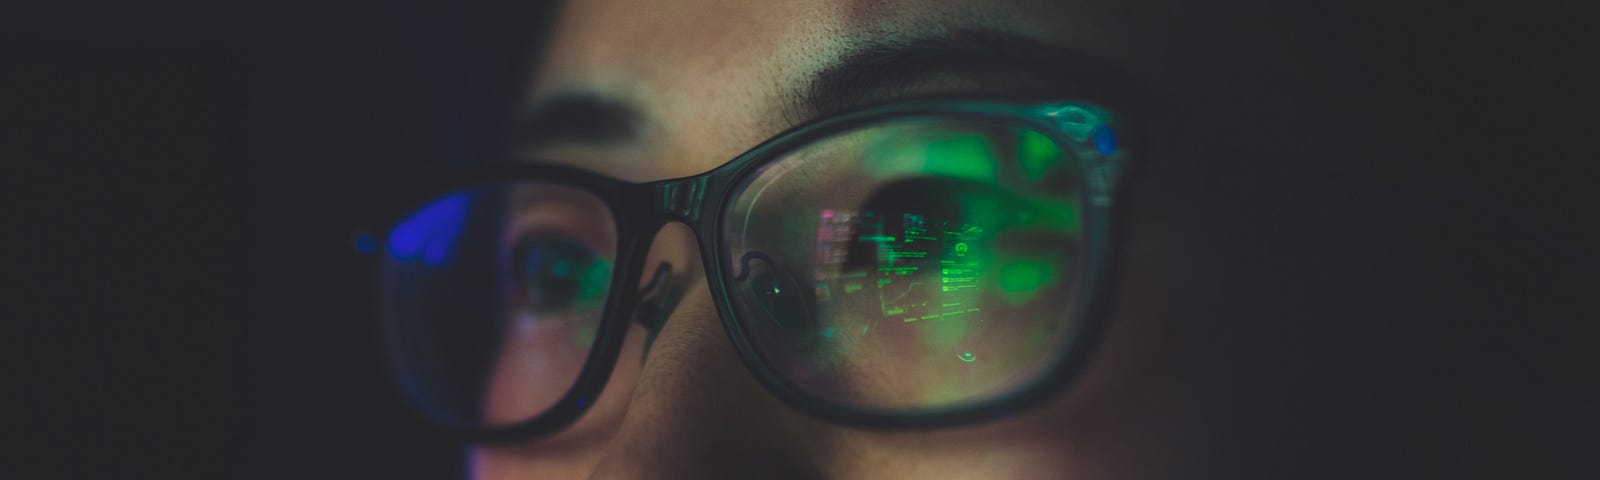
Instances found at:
x=917 y=264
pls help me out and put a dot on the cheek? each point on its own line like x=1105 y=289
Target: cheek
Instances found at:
x=539 y=353
x=573 y=452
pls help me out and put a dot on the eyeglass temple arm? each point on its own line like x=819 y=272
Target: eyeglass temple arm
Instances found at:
x=659 y=298
x=1094 y=142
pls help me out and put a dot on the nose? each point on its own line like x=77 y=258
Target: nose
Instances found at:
x=696 y=411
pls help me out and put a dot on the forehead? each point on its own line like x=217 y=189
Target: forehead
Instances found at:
x=721 y=36
x=714 y=77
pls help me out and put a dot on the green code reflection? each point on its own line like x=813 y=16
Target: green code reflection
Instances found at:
x=928 y=272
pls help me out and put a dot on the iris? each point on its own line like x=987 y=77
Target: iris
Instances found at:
x=557 y=274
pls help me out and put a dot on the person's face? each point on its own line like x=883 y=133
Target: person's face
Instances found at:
x=676 y=88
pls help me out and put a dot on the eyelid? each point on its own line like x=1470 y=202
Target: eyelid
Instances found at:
x=586 y=232
x=556 y=220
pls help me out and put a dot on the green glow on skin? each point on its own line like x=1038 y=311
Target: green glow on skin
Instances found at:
x=1036 y=154
x=595 y=279
x=585 y=336
x=967 y=156
x=1021 y=279
x=1053 y=214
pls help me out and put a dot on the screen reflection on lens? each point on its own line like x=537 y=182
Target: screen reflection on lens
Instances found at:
x=936 y=255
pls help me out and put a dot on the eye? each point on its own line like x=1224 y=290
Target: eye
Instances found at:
x=556 y=274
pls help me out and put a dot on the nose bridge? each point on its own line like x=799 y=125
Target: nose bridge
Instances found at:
x=680 y=199
x=696 y=411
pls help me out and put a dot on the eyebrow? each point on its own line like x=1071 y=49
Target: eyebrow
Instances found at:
x=879 y=72
x=873 y=72
x=576 y=117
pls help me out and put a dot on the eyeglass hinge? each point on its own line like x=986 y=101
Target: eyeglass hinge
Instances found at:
x=1094 y=142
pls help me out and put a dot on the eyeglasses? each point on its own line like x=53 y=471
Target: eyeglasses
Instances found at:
x=914 y=265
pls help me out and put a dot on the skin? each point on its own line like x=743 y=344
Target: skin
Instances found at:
x=1209 y=353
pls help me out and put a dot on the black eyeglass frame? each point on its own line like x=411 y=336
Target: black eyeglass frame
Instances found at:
x=641 y=209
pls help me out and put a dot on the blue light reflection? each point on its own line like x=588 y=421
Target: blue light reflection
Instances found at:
x=432 y=232
x=1105 y=140
x=365 y=243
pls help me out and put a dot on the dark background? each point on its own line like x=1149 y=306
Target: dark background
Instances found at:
x=180 y=183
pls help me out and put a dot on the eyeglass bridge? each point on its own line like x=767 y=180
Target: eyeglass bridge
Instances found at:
x=681 y=199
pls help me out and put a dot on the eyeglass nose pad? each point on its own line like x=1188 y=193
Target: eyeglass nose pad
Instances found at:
x=783 y=299
x=658 y=299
